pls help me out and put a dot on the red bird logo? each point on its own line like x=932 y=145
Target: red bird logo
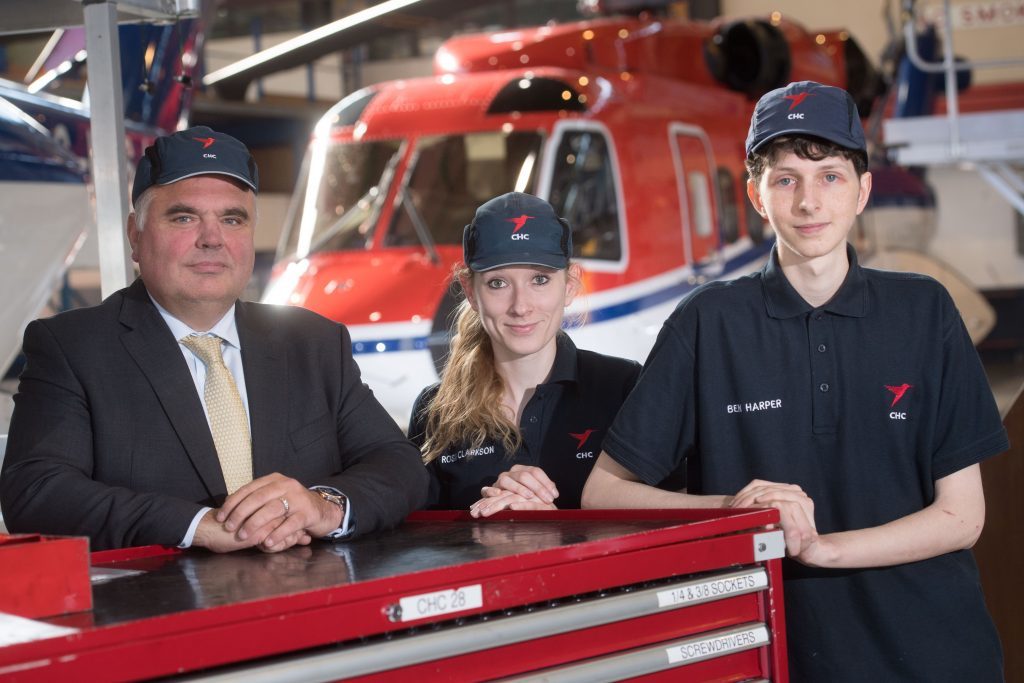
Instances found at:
x=796 y=99
x=519 y=222
x=581 y=437
x=897 y=392
x=206 y=141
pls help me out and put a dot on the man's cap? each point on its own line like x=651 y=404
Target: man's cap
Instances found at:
x=192 y=152
x=516 y=229
x=806 y=108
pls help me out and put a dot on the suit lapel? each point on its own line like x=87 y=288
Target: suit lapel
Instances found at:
x=150 y=343
x=266 y=386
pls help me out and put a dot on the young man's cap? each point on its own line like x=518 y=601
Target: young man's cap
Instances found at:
x=192 y=152
x=516 y=229
x=806 y=108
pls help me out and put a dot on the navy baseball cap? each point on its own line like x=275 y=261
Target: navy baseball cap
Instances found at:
x=806 y=108
x=516 y=229
x=192 y=152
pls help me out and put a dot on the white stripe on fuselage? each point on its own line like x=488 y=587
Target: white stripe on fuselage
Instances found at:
x=397 y=364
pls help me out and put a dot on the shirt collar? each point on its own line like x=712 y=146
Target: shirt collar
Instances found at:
x=225 y=328
x=564 y=368
x=782 y=301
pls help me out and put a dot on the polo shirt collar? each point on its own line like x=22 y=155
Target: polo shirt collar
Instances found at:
x=564 y=368
x=852 y=298
x=782 y=301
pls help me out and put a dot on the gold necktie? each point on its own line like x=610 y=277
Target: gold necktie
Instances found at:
x=228 y=422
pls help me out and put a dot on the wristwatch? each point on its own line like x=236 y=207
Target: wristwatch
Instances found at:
x=338 y=498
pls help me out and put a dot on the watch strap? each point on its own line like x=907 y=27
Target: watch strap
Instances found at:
x=333 y=495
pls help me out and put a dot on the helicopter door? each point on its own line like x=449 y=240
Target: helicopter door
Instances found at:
x=698 y=203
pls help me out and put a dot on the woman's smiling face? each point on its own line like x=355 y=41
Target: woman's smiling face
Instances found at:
x=521 y=307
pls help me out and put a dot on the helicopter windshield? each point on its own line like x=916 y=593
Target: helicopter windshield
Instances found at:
x=339 y=196
x=451 y=175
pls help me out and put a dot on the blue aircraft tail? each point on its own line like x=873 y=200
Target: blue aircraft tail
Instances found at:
x=158 y=66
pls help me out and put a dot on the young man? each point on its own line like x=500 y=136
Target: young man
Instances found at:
x=849 y=399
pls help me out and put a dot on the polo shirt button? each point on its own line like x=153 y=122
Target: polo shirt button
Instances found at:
x=818 y=316
x=823 y=386
x=821 y=348
x=533 y=418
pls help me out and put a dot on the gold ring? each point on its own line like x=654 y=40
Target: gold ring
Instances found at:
x=284 y=501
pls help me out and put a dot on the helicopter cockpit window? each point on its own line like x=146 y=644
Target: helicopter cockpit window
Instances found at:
x=452 y=175
x=340 y=192
x=583 y=192
x=729 y=214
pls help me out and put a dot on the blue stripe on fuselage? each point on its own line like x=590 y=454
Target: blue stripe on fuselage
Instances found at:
x=630 y=307
x=675 y=291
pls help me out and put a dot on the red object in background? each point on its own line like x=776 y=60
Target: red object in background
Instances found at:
x=44 y=576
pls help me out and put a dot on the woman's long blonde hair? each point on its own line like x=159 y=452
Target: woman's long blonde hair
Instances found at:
x=468 y=407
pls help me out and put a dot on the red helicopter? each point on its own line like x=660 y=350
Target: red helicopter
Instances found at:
x=632 y=127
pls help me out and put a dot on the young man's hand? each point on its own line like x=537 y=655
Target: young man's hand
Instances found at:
x=796 y=512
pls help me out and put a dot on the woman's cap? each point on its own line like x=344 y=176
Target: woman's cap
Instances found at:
x=195 y=151
x=516 y=229
x=806 y=108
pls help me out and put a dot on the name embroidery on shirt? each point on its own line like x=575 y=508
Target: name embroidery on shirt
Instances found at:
x=449 y=458
x=754 y=406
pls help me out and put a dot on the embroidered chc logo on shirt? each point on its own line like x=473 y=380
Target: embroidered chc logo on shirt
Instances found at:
x=898 y=392
x=581 y=439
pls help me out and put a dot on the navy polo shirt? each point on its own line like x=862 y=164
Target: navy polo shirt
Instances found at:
x=864 y=402
x=563 y=426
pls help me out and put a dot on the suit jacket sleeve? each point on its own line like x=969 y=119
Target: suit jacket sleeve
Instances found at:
x=382 y=474
x=49 y=481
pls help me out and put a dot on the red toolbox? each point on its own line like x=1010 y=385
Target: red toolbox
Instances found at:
x=43 y=576
x=682 y=595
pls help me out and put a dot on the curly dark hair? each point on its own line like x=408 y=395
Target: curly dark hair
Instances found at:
x=805 y=147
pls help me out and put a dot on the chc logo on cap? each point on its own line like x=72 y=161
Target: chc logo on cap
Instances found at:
x=796 y=100
x=538 y=236
x=810 y=109
x=195 y=151
x=519 y=223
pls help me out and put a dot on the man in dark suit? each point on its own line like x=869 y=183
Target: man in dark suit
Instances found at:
x=126 y=430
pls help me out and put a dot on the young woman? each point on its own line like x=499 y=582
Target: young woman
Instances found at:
x=520 y=414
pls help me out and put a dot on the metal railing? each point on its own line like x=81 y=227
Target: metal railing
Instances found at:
x=996 y=172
